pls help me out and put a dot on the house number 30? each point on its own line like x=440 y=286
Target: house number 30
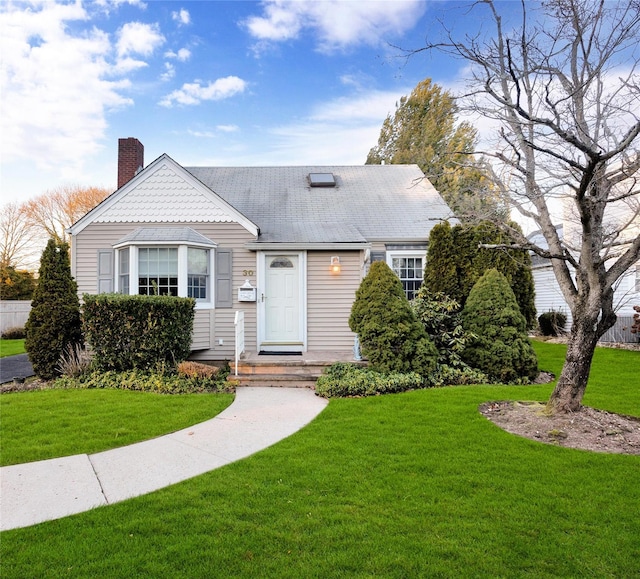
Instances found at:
x=247 y=272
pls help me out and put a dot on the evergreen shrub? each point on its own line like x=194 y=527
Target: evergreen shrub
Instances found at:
x=14 y=334
x=344 y=379
x=440 y=315
x=500 y=347
x=138 y=332
x=54 y=321
x=391 y=337
x=552 y=323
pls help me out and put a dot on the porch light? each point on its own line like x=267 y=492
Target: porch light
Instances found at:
x=335 y=264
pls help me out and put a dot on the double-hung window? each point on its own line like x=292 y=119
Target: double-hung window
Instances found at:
x=408 y=265
x=174 y=262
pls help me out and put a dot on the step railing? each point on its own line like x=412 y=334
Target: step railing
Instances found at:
x=239 y=339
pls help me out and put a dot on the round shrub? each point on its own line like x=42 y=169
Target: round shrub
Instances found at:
x=391 y=337
x=14 y=334
x=500 y=347
x=552 y=323
x=54 y=320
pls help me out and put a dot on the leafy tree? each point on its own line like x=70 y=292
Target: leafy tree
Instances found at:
x=560 y=80
x=499 y=346
x=54 y=321
x=391 y=337
x=456 y=261
x=424 y=130
x=55 y=211
x=16 y=284
x=16 y=236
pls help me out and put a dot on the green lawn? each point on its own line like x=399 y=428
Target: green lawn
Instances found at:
x=49 y=423
x=11 y=347
x=406 y=485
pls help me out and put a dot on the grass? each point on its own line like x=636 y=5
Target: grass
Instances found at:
x=405 y=485
x=11 y=347
x=45 y=424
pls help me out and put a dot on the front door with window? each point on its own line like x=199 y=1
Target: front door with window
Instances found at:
x=282 y=303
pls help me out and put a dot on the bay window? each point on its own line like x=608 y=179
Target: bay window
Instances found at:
x=174 y=262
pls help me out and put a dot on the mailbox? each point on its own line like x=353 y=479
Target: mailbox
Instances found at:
x=246 y=292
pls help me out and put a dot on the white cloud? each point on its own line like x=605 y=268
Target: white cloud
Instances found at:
x=182 y=17
x=182 y=55
x=169 y=72
x=194 y=93
x=228 y=128
x=56 y=85
x=337 y=24
x=138 y=38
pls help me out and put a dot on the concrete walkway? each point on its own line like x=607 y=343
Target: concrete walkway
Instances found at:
x=50 y=489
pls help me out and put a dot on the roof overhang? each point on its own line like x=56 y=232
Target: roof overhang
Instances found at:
x=287 y=246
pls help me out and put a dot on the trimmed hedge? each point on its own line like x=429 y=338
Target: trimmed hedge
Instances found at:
x=138 y=332
x=344 y=379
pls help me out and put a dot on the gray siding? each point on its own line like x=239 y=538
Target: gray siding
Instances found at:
x=98 y=236
x=329 y=299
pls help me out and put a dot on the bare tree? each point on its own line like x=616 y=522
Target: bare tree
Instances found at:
x=563 y=86
x=16 y=241
x=56 y=210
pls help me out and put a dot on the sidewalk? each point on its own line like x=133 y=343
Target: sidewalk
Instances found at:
x=50 y=489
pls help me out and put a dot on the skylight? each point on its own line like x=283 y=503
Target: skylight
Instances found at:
x=322 y=180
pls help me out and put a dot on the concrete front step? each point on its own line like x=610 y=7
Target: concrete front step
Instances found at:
x=289 y=371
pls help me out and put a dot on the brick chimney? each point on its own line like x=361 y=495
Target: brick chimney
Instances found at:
x=130 y=159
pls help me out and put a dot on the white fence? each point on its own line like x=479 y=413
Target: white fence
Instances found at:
x=239 y=324
x=14 y=313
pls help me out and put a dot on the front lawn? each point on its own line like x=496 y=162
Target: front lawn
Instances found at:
x=11 y=347
x=417 y=484
x=50 y=423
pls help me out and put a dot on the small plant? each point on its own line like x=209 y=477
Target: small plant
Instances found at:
x=14 y=334
x=75 y=361
x=344 y=379
x=191 y=369
x=552 y=323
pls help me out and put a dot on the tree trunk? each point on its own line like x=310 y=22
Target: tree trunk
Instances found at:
x=568 y=393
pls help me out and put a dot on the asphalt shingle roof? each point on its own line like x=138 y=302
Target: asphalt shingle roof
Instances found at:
x=368 y=203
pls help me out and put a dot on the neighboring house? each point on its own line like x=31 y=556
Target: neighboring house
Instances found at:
x=288 y=246
x=549 y=296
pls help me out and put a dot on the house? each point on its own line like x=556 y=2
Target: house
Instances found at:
x=549 y=297
x=286 y=247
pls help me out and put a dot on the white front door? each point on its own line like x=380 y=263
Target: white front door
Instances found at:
x=282 y=303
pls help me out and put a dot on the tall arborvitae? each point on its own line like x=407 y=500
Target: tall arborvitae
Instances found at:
x=54 y=321
x=441 y=270
x=458 y=249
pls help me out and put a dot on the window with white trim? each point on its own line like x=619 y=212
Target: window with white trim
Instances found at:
x=409 y=267
x=174 y=261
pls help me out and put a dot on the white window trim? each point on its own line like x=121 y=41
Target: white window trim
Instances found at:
x=406 y=253
x=182 y=268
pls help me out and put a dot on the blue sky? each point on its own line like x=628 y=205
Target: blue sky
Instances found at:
x=279 y=82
